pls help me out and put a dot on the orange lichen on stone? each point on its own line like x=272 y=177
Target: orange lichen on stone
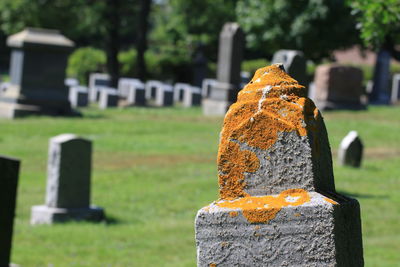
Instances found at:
x=330 y=201
x=297 y=214
x=233 y=213
x=261 y=209
x=271 y=103
x=212 y=265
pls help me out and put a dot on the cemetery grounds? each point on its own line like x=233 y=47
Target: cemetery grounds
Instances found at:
x=154 y=168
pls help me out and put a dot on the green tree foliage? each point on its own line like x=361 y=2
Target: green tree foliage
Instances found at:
x=316 y=27
x=182 y=24
x=379 y=20
x=85 y=60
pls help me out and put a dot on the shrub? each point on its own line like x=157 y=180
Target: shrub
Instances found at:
x=85 y=60
x=127 y=61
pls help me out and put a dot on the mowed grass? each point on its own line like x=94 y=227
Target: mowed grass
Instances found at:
x=154 y=168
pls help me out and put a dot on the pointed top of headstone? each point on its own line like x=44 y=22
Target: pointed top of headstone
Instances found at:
x=273 y=139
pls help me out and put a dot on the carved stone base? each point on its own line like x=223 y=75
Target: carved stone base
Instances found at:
x=47 y=215
x=320 y=232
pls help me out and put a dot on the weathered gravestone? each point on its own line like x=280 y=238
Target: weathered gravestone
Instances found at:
x=206 y=87
x=294 y=62
x=37 y=73
x=351 y=150
x=380 y=93
x=338 y=87
x=9 y=170
x=78 y=96
x=278 y=205
x=224 y=92
x=68 y=182
x=108 y=98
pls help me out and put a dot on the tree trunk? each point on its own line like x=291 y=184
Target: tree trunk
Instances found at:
x=141 y=45
x=112 y=40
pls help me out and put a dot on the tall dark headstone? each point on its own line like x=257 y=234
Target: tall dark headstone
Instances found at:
x=199 y=66
x=230 y=54
x=380 y=89
x=9 y=170
x=37 y=72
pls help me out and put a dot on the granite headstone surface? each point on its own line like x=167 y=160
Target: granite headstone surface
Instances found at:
x=278 y=205
x=230 y=53
x=68 y=182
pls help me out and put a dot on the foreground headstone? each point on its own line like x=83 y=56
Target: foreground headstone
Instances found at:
x=351 y=150
x=294 y=62
x=278 y=205
x=37 y=73
x=338 y=87
x=230 y=53
x=9 y=171
x=68 y=182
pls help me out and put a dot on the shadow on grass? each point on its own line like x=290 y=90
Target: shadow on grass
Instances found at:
x=110 y=220
x=356 y=195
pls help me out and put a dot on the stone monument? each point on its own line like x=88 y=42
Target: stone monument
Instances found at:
x=9 y=169
x=338 y=87
x=37 y=73
x=351 y=150
x=278 y=205
x=294 y=63
x=224 y=92
x=68 y=182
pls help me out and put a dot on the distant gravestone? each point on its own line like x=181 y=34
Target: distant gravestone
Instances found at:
x=9 y=171
x=78 y=96
x=294 y=62
x=124 y=85
x=37 y=73
x=179 y=89
x=151 y=87
x=97 y=81
x=108 y=98
x=136 y=94
x=199 y=66
x=338 y=87
x=395 y=94
x=380 y=93
x=351 y=150
x=206 y=87
x=230 y=54
x=68 y=182
x=191 y=97
x=277 y=205
x=164 y=96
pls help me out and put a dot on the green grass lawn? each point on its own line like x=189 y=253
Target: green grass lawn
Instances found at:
x=154 y=168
